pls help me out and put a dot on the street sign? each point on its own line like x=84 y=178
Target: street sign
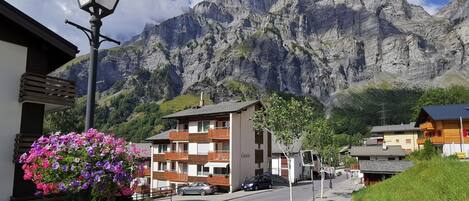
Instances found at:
x=307 y=158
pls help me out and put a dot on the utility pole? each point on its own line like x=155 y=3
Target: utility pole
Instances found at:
x=383 y=114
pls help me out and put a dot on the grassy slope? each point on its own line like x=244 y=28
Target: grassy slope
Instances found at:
x=437 y=180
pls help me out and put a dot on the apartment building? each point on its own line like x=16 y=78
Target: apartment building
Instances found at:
x=404 y=135
x=28 y=53
x=215 y=144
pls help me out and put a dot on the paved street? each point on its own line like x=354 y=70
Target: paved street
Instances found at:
x=301 y=192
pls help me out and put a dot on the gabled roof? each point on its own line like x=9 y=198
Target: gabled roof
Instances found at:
x=391 y=167
x=443 y=112
x=221 y=108
x=395 y=128
x=162 y=136
x=377 y=151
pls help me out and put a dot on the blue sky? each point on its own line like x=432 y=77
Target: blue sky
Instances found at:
x=129 y=18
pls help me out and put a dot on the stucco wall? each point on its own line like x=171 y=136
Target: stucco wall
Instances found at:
x=12 y=66
x=401 y=139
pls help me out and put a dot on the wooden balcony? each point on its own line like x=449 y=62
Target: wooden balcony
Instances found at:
x=421 y=140
x=146 y=172
x=219 y=180
x=198 y=137
x=198 y=179
x=197 y=159
x=174 y=176
x=159 y=175
x=219 y=134
x=47 y=90
x=179 y=136
x=443 y=140
x=176 y=156
x=222 y=156
x=427 y=126
x=159 y=158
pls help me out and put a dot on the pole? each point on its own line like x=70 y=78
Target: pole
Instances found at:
x=462 y=134
x=92 y=71
x=330 y=180
x=322 y=179
x=312 y=180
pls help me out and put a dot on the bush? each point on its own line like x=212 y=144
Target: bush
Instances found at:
x=427 y=153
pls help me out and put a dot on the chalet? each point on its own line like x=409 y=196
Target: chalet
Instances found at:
x=446 y=127
x=404 y=135
x=28 y=53
x=378 y=163
x=214 y=144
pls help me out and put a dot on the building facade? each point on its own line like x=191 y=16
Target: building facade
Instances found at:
x=298 y=172
x=404 y=135
x=214 y=144
x=446 y=127
x=28 y=52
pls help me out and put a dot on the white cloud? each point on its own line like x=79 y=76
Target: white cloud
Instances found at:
x=128 y=20
x=431 y=8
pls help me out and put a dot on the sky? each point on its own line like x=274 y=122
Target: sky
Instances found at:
x=129 y=18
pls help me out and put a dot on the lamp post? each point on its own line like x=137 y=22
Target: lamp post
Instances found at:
x=98 y=9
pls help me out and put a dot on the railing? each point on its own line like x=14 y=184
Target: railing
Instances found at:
x=427 y=126
x=220 y=180
x=174 y=176
x=219 y=156
x=179 y=136
x=443 y=140
x=159 y=175
x=46 y=90
x=176 y=156
x=421 y=140
x=219 y=133
x=23 y=143
x=198 y=137
x=159 y=157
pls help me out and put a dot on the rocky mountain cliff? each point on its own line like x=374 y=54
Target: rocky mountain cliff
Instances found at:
x=304 y=47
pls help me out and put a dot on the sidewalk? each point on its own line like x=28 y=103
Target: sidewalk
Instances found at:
x=341 y=192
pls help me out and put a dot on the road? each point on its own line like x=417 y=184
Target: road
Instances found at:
x=301 y=192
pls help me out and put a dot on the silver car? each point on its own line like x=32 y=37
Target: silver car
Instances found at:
x=197 y=189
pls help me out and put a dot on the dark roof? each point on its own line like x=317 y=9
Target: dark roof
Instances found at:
x=390 y=167
x=162 y=136
x=63 y=49
x=395 y=128
x=221 y=108
x=443 y=112
x=377 y=151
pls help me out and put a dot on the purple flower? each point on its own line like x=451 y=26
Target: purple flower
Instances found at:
x=85 y=175
x=75 y=184
x=62 y=187
x=55 y=165
x=64 y=168
x=107 y=165
x=85 y=186
x=99 y=164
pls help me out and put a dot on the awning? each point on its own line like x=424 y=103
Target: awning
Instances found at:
x=216 y=164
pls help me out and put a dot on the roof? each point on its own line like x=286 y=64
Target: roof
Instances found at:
x=395 y=128
x=377 y=151
x=162 y=136
x=143 y=148
x=396 y=166
x=443 y=112
x=26 y=24
x=225 y=107
x=276 y=149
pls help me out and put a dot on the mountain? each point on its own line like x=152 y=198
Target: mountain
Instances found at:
x=304 y=47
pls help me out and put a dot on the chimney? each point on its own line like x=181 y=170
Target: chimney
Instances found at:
x=385 y=147
x=201 y=102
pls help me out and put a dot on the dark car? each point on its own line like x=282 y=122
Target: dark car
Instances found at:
x=257 y=182
x=197 y=189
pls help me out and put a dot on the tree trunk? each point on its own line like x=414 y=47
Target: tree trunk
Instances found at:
x=289 y=178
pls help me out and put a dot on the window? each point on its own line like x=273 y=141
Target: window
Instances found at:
x=220 y=171
x=391 y=158
x=399 y=132
x=225 y=124
x=397 y=140
x=162 y=166
x=203 y=126
x=162 y=148
x=202 y=171
x=408 y=141
x=202 y=148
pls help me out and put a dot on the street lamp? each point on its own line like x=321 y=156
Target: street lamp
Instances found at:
x=98 y=9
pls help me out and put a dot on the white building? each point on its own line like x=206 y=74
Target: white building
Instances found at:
x=28 y=52
x=280 y=163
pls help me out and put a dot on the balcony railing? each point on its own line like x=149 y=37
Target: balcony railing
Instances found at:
x=443 y=140
x=47 y=90
x=176 y=156
x=159 y=175
x=160 y=157
x=219 y=156
x=179 y=136
x=174 y=176
x=427 y=126
x=219 y=180
x=219 y=133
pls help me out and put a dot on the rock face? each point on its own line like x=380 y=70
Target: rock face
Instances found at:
x=304 y=47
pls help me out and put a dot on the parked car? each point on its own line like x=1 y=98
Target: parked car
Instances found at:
x=197 y=189
x=257 y=182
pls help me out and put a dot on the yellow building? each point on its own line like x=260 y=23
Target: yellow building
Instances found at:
x=404 y=135
x=446 y=127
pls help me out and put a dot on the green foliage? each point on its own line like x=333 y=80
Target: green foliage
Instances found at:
x=441 y=96
x=348 y=140
x=247 y=90
x=434 y=180
x=285 y=119
x=244 y=50
x=427 y=153
x=349 y=161
x=181 y=103
x=320 y=137
x=68 y=120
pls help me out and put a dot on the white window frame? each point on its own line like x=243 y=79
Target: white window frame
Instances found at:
x=201 y=125
x=204 y=174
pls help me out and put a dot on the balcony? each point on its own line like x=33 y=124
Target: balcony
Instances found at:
x=427 y=126
x=198 y=137
x=219 y=156
x=177 y=177
x=159 y=158
x=176 y=156
x=55 y=93
x=179 y=136
x=159 y=175
x=219 y=134
x=219 y=180
x=443 y=140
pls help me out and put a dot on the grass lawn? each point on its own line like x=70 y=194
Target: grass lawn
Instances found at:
x=438 y=179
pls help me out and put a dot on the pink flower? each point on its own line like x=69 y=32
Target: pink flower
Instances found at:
x=126 y=191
